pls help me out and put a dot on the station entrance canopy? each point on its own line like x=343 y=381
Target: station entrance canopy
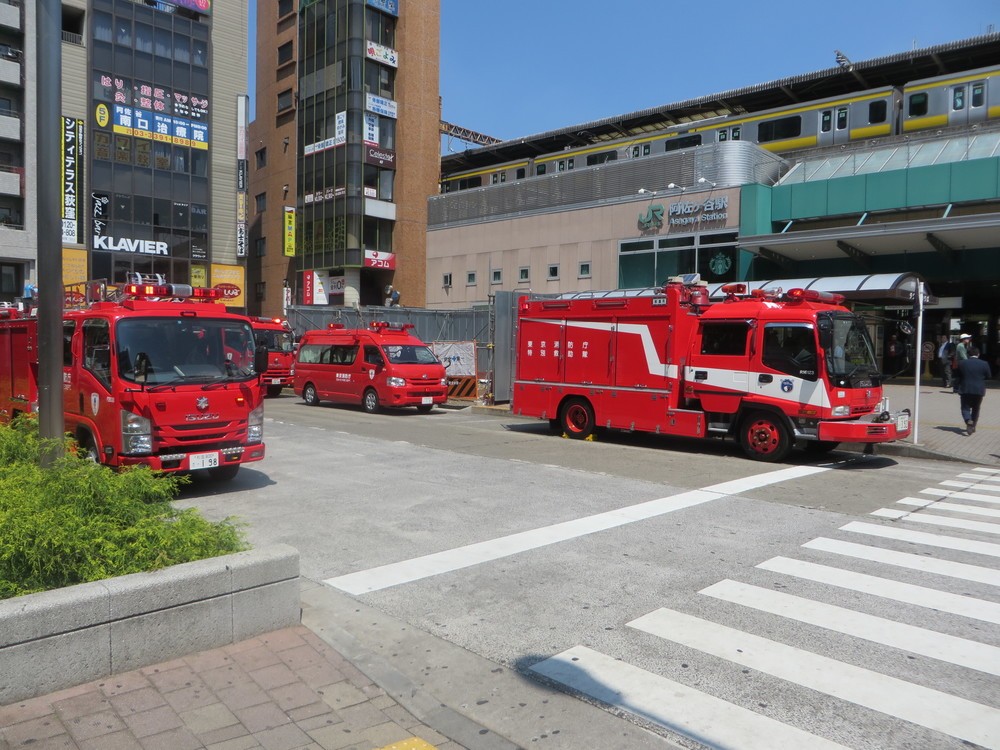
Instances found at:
x=879 y=288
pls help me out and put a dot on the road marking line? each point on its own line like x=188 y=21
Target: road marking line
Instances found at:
x=406 y=571
x=933 y=520
x=948 y=648
x=708 y=720
x=986 y=470
x=974 y=486
x=905 y=560
x=908 y=593
x=923 y=537
x=979 y=477
x=920 y=705
x=974 y=510
x=958 y=495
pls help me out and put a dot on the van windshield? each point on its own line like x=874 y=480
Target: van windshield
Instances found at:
x=406 y=354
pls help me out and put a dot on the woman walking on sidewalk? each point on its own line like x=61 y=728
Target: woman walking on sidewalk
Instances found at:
x=973 y=374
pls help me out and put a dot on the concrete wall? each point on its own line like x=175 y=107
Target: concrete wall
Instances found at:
x=57 y=639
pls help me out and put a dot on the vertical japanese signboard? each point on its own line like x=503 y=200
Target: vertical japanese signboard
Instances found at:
x=289 y=233
x=241 y=174
x=72 y=179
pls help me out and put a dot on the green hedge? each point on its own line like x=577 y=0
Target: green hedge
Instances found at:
x=78 y=521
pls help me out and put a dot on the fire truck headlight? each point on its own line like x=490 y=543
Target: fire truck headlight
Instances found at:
x=137 y=434
x=842 y=411
x=255 y=425
x=396 y=382
x=444 y=382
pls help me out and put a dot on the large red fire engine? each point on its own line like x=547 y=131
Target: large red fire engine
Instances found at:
x=159 y=375
x=276 y=335
x=771 y=369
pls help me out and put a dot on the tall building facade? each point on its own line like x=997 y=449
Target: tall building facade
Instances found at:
x=366 y=114
x=150 y=137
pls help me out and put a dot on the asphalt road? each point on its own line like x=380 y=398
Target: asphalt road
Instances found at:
x=666 y=577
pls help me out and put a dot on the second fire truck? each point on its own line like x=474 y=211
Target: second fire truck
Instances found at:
x=771 y=369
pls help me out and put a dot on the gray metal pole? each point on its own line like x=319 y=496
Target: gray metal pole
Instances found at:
x=50 y=298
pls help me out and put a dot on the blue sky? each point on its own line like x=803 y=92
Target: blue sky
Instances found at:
x=521 y=67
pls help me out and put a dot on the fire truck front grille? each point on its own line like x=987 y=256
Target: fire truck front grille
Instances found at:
x=860 y=409
x=206 y=434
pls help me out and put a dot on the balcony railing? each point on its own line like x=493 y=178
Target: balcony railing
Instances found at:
x=69 y=36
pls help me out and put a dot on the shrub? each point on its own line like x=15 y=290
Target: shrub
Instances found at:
x=78 y=521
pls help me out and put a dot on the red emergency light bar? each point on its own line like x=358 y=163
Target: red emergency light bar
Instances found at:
x=811 y=295
x=277 y=321
x=382 y=325
x=335 y=326
x=146 y=291
x=734 y=289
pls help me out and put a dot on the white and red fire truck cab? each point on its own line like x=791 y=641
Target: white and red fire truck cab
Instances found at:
x=771 y=369
x=378 y=366
x=275 y=334
x=159 y=375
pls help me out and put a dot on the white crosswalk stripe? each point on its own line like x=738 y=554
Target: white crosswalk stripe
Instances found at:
x=720 y=724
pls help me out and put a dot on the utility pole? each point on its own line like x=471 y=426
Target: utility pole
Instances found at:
x=48 y=50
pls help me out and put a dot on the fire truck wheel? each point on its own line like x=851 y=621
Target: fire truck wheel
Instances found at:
x=309 y=395
x=425 y=408
x=224 y=473
x=273 y=390
x=370 y=401
x=577 y=419
x=764 y=437
x=88 y=448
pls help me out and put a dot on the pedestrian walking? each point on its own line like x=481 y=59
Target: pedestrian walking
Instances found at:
x=973 y=374
x=946 y=349
x=893 y=352
x=961 y=353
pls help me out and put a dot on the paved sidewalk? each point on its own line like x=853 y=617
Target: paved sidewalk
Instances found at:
x=318 y=687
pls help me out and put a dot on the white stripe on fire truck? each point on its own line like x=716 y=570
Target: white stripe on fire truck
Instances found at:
x=406 y=571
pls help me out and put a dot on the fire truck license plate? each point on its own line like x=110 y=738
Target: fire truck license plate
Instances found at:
x=427 y=400
x=203 y=460
x=276 y=381
x=903 y=422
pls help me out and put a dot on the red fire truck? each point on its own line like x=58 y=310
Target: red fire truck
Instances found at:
x=276 y=335
x=160 y=375
x=772 y=369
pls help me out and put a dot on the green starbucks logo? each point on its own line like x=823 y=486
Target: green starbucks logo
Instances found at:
x=720 y=263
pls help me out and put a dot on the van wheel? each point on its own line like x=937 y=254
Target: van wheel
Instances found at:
x=309 y=395
x=764 y=437
x=578 y=419
x=224 y=473
x=425 y=408
x=273 y=390
x=370 y=401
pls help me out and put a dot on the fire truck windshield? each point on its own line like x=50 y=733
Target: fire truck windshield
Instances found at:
x=170 y=351
x=849 y=350
x=275 y=341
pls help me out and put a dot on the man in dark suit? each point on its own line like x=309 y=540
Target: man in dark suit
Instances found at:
x=973 y=373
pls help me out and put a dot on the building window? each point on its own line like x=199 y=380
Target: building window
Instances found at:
x=285 y=100
x=584 y=270
x=470 y=278
x=553 y=271
x=523 y=274
x=260 y=246
x=261 y=156
x=496 y=276
x=261 y=288
x=446 y=280
x=261 y=202
x=284 y=8
x=285 y=53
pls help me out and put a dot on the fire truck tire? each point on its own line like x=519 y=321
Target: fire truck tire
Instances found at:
x=577 y=419
x=425 y=408
x=273 y=390
x=820 y=446
x=370 y=401
x=765 y=437
x=88 y=447
x=224 y=473
x=309 y=395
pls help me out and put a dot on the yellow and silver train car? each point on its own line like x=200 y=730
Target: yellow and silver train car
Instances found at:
x=954 y=100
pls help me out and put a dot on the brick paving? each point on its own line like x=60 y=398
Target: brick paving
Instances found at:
x=280 y=691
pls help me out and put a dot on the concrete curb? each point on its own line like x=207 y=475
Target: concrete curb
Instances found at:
x=66 y=637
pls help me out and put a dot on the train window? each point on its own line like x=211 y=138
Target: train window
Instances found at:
x=540 y=169
x=958 y=98
x=877 y=111
x=918 y=105
x=562 y=165
x=776 y=130
x=736 y=133
x=503 y=177
x=470 y=182
x=826 y=120
x=520 y=174
x=604 y=156
x=645 y=149
x=494 y=178
x=571 y=163
x=635 y=151
x=978 y=94
x=723 y=135
x=841 y=118
x=686 y=141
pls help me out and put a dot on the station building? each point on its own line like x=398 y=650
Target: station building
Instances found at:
x=588 y=208
x=152 y=100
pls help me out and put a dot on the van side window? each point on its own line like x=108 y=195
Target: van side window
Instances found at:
x=373 y=356
x=344 y=354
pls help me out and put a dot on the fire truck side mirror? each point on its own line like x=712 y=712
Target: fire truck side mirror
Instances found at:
x=260 y=359
x=825 y=328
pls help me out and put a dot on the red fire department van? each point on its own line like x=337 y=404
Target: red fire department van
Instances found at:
x=379 y=366
x=159 y=375
x=276 y=335
x=771 y=369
